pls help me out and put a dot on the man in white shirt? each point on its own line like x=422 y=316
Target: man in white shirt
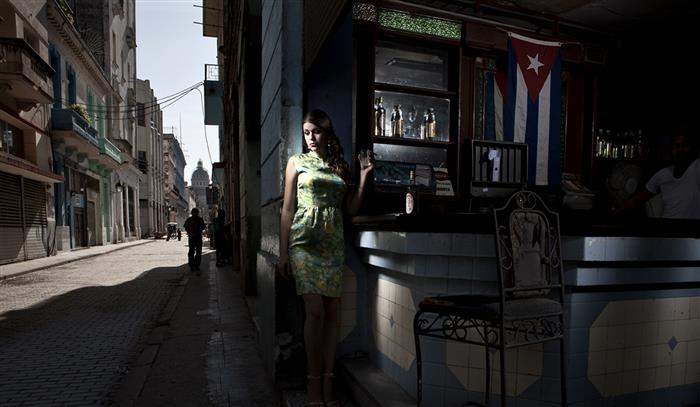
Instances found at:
x=678 y=184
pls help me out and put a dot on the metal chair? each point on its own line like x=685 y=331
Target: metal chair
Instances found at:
x=529 y=307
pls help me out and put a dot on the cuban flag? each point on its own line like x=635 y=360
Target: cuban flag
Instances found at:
x=533 y=105
x=494 y=91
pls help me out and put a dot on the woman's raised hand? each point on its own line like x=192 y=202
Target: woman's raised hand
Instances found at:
x=366 y=158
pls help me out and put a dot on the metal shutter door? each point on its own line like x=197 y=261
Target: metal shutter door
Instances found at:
x=35 y=219
x=11 y=231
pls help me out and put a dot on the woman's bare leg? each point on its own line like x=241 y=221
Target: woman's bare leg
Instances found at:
x=330 y=338
x=313 y=339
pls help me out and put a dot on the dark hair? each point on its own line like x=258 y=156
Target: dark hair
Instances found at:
x=334 y=157
x=194 y=211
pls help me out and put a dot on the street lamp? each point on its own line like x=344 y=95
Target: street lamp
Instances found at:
x=118 y=186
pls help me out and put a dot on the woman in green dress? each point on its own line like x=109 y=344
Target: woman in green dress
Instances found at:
x=312 y=246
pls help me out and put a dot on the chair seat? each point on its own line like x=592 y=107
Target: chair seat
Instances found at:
x=487 y=307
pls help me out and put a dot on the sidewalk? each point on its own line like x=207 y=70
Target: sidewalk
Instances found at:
x=203 y=349
x=28 y=266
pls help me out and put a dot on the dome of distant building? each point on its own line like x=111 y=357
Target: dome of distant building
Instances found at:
x=200 y=176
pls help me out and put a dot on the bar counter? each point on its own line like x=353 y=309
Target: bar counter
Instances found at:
x=632 y=308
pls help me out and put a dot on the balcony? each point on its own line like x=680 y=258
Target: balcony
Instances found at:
x=25 y=74
x=110 y=150
x=66 y=120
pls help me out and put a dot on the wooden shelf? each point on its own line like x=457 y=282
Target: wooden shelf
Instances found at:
x=414 y=91
x=411 y=142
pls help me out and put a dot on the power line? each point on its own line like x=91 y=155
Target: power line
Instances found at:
x=151 y=104
x=162 y=106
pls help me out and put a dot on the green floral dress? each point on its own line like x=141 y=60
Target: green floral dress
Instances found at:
x=316 y=243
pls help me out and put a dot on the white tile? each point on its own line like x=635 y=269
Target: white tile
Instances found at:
x=681 y=328
x=597 y=338
x=680 y=353
x=665 y=331
x=662 y=377
x=678 y=374
x=647 y=357
x=692 y=373
x=613 y=384
x=615 y=337
x=596 y=363
x=694 y=303
x=529 y=362
x=693 y=329
x=634 y=335
x=647 y=379
x=614 y=360
x=682 y=308
x=632 y=359
x=630 y=381
x=477 y=380
x=663 y=355
x=650 y=331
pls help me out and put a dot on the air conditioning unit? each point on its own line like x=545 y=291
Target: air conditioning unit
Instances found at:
x=594 y=54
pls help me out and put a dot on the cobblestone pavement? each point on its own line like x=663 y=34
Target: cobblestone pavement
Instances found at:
x=67 y=333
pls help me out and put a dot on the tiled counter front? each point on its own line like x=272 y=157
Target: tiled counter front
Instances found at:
x=632 y=321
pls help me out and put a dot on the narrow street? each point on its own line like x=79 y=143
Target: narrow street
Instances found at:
x=130 y=327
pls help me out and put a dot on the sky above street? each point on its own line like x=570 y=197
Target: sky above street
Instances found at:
x=171 y=53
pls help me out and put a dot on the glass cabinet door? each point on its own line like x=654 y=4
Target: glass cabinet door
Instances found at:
x=410 y=66
x=415 y=111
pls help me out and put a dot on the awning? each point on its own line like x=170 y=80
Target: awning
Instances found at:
x=26 y=169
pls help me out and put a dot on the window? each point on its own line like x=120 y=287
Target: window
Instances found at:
x=55 y=59
x=114 y=48
x=70 y=75
x=11 y=139
x=141 y=114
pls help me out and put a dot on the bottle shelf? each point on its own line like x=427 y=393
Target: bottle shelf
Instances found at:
x=411 y=142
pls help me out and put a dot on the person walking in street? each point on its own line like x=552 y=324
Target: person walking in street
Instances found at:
x=179 y=234
x=194 y=226
x=312 y=244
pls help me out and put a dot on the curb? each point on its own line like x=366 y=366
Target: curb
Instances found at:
x=63 y=262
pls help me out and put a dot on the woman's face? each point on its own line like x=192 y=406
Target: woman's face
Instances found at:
x=315 y=138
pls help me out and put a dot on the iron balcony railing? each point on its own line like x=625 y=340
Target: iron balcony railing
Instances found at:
x=109 y=149
x=69 y=120
x=19 y=59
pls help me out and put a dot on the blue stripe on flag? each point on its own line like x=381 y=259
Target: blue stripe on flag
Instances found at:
x=533 y=109
x=555 y=124
x=511 y=86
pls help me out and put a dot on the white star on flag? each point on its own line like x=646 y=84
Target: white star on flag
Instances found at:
x=535 y=63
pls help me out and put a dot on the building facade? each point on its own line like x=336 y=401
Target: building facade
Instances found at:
x=176 y=199
x=27 y=215
x=149 y=135
x=110 y=35
x=84 y=153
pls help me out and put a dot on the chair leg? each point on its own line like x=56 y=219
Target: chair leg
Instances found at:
x=562 y=362
x=487 y=391
x=419 y=365
x=502 y=350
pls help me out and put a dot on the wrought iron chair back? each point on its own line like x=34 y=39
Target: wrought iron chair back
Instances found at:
x=528 y=248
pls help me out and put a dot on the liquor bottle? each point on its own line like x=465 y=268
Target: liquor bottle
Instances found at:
x=600 y=143
x=397 y=122
x=607 y=152
x=423 y=125
x=412 y=195
x=640 y=145
x=379 y=118
x=430 y=125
